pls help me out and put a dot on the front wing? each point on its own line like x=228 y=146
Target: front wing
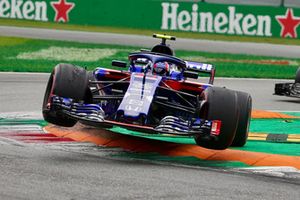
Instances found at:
x=92 y=114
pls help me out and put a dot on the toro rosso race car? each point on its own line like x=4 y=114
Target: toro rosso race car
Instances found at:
x=289 y=89
x=152 y=95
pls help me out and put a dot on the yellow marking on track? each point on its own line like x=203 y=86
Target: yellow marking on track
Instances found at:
x=294 y=136
x=293 y=140
x=258 y=135
x=257 y=138
x=263 y=137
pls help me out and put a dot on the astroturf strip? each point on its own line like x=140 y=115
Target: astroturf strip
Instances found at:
x=291 y=149
x=12 y=122
x=255 y=146
x=275 y=126
x=296 y=114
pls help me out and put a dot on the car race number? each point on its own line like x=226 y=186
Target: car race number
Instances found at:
x=139 y=95
x=199 y=66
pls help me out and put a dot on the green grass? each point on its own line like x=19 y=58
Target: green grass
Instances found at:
x=12 y=51
x=9 y=41
x=208 y=36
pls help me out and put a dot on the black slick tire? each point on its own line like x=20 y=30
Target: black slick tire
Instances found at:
x=220 y=104
x=67 y=81
x=245 y=107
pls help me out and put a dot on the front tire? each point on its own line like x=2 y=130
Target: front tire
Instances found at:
x=66 y=81
x=220 y=104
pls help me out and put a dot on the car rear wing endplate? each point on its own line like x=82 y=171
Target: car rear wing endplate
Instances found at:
x=202 y=68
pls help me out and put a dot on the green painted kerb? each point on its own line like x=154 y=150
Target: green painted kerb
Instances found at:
x=186 y=160
x=291 y=149
x=254 y=146
x=12 y=122
x=278 y=126
x=269 y=126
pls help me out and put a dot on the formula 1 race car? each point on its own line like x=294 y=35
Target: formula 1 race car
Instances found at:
x=289 y=89
x=153 y=96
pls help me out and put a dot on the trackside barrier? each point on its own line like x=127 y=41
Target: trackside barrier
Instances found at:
x=292 y=3
x=249 y=2
x=164 y=15
x=285 y=3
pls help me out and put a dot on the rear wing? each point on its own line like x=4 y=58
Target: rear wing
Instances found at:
x=202 y=68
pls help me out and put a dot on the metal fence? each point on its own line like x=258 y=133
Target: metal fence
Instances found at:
x=277 y=3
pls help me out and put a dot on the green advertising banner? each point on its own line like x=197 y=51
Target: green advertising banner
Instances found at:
x=174 y=15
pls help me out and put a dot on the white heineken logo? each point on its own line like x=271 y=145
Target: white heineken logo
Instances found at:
x=229 y=22
x=35 y=10
x=20 y=9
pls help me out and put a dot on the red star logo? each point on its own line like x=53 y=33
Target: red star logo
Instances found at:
x=62 y=9
x=288 y=23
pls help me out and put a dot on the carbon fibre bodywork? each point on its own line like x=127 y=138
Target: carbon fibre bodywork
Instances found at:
x=152 y=95
x=289 y=89
x=141 y=100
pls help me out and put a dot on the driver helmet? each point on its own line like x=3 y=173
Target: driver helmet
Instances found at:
x=161 y=68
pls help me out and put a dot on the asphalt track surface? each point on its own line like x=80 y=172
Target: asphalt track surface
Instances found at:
x=84 y=171
x=287 y=51
x=23 y=92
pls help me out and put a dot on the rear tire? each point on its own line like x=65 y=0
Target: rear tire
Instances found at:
x=221 y=104
x=67 y=81
x=297 y=79
x=245 y=107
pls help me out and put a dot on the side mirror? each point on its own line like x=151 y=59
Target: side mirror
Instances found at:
x=190 y=74
x=117 y=63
